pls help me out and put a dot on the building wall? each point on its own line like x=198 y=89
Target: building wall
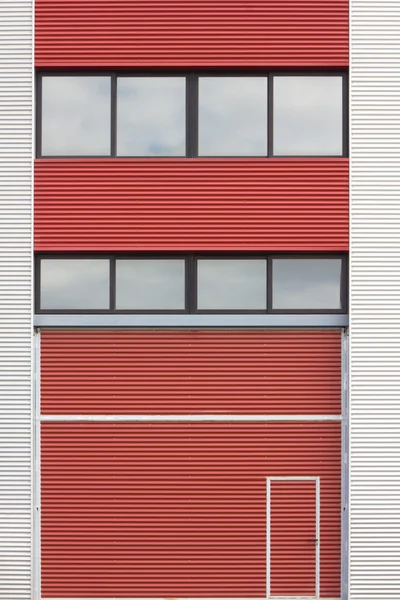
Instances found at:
x=173 y=33
x=192 y=204
x=16 y=108
x=375 y=296
x=81 y=205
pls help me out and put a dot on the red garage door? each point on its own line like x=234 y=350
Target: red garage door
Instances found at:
x=178 y=509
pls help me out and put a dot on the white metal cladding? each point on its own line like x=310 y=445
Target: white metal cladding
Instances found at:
x=16 y=91
x=375 y=300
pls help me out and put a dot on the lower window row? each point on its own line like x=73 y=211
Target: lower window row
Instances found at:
x=191 y=284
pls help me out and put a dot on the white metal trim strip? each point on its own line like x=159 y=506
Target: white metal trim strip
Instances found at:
x=36 y=562
x=100 y=321
x=186 y=418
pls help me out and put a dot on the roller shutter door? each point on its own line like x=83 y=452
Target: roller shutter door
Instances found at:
x=176 y=510
x=179 y=509
x=191 y=372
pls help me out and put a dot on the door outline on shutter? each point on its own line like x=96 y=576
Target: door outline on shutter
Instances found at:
x=317 y=534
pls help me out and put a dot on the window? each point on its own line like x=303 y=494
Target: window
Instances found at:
x=308 y=116
x=233 y=116
x=231 y=284
x=247 y=283
x=150 y=284
x=151 y=116
x=307 y=284
x=74 y=284
x=243 y=114
x=76 y=116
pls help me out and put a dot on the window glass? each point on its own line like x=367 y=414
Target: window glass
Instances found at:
x=151 y=116
x=233 y=116
x=308 y=115
x=76 y=116
x=70 y=284
x=150 y=284
x=306 y=283
x=231 y=284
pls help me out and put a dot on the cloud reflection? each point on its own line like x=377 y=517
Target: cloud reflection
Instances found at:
x=76 y=116
x=233 y=116
x=151 y=116
x=306 y=284
x=232 y=284
x=150 y=284
x=307 y=115
x=68 y=284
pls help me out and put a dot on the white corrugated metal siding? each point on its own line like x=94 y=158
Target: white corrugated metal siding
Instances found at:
x=15 y=297
x=375 y=300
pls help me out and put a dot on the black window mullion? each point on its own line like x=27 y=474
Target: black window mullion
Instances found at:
x=38 y=285
x=39 y=110
x=113 y=143
x=113 y=283
x=188 y=283
x=344 y=285
x=193 y=283
x=345 y=115
x=269 y=284
x=192 y=115
x=270 y=115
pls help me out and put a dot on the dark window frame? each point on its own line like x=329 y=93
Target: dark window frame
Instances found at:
x=191 y=281
x=73 y=256
x=305 y=311
x=236 y=256
x=192 y=110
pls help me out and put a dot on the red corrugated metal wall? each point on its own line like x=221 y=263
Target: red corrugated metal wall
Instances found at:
x=186 y=204
x=128 y=33
x=176 y=509
x=179 y=509
x=191 y=372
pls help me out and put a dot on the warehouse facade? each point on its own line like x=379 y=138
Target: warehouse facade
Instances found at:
x=198 y=354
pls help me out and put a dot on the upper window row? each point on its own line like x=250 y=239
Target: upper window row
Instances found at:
x=108 y=115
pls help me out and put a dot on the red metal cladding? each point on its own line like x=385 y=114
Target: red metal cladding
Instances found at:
x=186 y=204
x=176 y=509
x=293 y=538
x=194 y=33
x=191 y=372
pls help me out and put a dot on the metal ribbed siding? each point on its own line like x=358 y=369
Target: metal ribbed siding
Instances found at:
x=186 y=204
x=191 y=372
x=292 y=532
x=375 y=301
x=191 y=33
x=15 y=297
x=175 y=510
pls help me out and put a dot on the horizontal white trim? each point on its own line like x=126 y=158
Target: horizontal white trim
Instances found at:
x=188 y=418
x=108 y=320
x=294 y=478
x=167 y=598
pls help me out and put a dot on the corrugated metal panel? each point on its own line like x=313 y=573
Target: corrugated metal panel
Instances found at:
x=293 y=521
x=16 y=36
x=191 y=372
x=175 y=510
x=117 y=204
x=129 y=33
x=375 y=300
